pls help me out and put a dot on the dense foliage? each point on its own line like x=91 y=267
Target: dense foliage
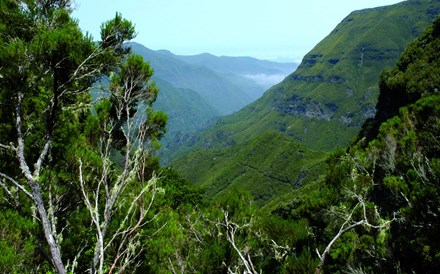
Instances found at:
x=74 y=176
x=81 y=189
x=393 y=178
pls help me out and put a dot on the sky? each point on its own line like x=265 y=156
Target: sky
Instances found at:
x=283 y=30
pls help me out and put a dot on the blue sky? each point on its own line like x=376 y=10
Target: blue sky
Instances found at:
x=275 y=29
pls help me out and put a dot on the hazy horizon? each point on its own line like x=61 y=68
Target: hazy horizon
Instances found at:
x=281 y=30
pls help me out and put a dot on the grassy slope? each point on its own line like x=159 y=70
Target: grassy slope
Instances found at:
x=267 y=166
x=322 y=104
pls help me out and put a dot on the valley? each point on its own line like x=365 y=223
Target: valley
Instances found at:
x=321 y=106
x=196 y=90
x=115 y=158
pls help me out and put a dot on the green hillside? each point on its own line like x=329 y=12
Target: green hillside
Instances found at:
x=196 y=89
x=394 y=178
x=187 y=113
x=325 y=101
x=268 y=166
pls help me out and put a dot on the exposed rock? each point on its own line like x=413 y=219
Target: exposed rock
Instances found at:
x=347 y=119
x=305 y=107
x=368 y=112
x=308 y=79
x=337 y=79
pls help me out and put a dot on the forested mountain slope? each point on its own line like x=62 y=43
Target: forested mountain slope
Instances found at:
x=382 y=195
x=268 y=166
x=325 y=101
x=226 y=89
x=196 y=89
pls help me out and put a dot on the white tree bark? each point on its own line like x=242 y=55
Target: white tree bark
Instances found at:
x=35 y=194
x=231 y=230
x=349 y=224
x=30 y=185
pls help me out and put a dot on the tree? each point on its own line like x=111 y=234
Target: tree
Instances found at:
x=57 y=149
x=350 y=223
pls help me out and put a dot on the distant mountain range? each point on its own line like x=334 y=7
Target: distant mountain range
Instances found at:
x=196 y=89
x=263 y=73
x=322 y=105
x=225 y=83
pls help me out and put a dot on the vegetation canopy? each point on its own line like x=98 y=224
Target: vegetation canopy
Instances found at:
x=81 y=189
x=78 y=174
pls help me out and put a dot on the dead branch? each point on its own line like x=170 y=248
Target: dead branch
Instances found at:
x=231 y=230
x=350 y=223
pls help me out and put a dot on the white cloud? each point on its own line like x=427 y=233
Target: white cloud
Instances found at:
x=265 y=80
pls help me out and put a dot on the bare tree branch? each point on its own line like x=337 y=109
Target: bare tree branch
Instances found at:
x=350 y=223
x=21 y=187
x=231 y=230
x=7 y=147
x=32 y=180
x=20 y=148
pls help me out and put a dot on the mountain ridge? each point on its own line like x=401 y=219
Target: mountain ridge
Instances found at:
x=324 y=103
x=194 y=94
x=222 y=89
x=321 y=89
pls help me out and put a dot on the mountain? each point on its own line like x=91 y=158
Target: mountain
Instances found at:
x=390 y=180
x=324 y=102
x=239 y=65
x=196 y=89
x=187 y=113
x=221 y=94
x=264 y=73
x=267 y=166
x=186 y=108
x=226 y=91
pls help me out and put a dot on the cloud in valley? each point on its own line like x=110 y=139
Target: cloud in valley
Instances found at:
x=265 y=80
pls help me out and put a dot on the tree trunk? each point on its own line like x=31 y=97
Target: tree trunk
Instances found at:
x=47 y=228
